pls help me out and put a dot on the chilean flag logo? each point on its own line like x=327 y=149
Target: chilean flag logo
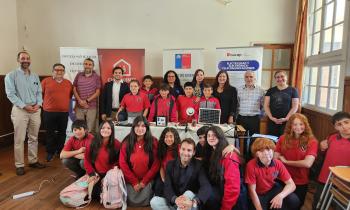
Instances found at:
x=182 y=61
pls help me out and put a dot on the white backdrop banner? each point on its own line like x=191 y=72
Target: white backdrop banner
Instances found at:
x=237 y=60
x=183 y=61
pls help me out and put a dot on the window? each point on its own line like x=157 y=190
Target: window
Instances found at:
x=323 y=78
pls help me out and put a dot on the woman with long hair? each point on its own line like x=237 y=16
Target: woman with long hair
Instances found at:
x=172 y=79
x=101 y=155
x=139 y=162
x=297 y=149
x=223 y=171
x=227 y=96
x=198 y=83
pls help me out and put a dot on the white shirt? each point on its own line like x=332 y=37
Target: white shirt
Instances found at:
x=115 y=94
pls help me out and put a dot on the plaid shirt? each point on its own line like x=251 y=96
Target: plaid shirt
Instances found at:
x=250 y=101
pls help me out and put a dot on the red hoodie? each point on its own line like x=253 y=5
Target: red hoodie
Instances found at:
x=163 y=109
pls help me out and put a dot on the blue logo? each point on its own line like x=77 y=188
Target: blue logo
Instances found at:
x=252 y=65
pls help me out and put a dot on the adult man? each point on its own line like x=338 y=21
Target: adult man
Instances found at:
x=113 y=94
x=250 y=103
x=86 y=89
x=57 y=93
x=23 y=89
x=186 y=185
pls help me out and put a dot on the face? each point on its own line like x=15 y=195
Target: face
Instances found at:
x=249 y=78
x=212 y=138
x=222 y=78
x=117 y=74
x=298 y=127
x=147 y=83
x=188 y=91
x=343 y=126
x=79 y=133
x=88 y=66
x=24 y=60
x=106 y=130
x=281 y=78
x=201 y=139
x=58 y=72
x=171 y=77
x=169 y=139
x=164 y=93
x=140 y=129
x=200 y=76
x=186 y=152
x=207 y=92
x=265 y=156
x=134 y=88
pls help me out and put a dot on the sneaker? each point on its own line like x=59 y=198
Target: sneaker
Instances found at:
x=49 y=157
x=20 y=171
x=37 y=165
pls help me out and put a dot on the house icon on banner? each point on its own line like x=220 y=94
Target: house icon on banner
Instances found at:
x=125 y=65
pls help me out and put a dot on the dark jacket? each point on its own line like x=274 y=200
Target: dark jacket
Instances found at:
x=106 y=97
x=228 y=103
x=194 y=179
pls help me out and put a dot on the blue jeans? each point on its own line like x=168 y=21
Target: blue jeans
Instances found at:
x=160 y=203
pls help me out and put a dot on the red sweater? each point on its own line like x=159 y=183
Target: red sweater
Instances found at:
x=139 y=171
x=56 y=96
x=230 y=163
x=150 y=93
x=163 y=108
x=102 y=164
x=184 y=102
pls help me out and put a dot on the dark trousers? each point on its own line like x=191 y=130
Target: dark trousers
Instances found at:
x=55 y=124
x=76 y=165
x=301 y=191
x=250 y=123
x=275 y=129
x=317 y=195
x=291 y=202
x=96 y=191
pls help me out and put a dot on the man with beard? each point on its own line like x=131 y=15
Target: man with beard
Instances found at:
x=86 y=89
x=186 y=185
x=23 y=89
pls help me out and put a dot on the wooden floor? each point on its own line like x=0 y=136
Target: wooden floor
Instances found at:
x=47 y=198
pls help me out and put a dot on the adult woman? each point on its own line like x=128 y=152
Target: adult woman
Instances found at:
x=227 y=96
x=280 y=103
x=297 y=149
x=172 y=79
x=101 y=155
x=139 y=162
x=197 y=82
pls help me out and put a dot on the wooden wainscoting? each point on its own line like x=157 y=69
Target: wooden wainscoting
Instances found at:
x=320 y=123
x=346 y=102
x=5 y=115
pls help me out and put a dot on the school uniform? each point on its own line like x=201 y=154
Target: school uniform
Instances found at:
x=211 y=102
x=150 y=93
x=165 y=107
x=183 y=103
x=135 y=104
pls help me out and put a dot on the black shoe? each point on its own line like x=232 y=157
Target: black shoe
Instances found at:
x=20 y=171
x=50 y=157
x=37 y=165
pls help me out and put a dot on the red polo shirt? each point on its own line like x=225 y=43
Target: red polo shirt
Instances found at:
x=265 y=177
x=300 y=175
x=75 y=144
x=184 y=102
x=135 y=103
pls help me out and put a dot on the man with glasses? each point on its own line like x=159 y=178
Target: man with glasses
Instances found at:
x=57 y=93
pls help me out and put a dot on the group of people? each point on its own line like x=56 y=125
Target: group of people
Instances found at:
x=169 y=173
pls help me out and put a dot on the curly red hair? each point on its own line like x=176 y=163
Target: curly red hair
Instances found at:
x=261 y=144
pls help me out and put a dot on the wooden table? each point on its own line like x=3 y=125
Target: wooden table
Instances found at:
x=242 y=141
x=342 y=172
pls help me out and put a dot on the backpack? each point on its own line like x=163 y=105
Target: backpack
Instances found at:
x=77 y=194
x=114 y=193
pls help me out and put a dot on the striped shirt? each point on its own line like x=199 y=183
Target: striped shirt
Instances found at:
x=250 y=100
x=87 y=86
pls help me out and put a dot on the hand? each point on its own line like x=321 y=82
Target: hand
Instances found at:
x=137 y=187
x=93 y=179
x=29 y=108
x=279 y=121
x=179 y=201
x=276 y=202
x=36 y=107
x=142 y=185
x=324 y=145
x=283 y=159
x=230 y=120
x=197 y=100
x=83 y=104
x=230 y=148
x=103 y=117
x=82 y=149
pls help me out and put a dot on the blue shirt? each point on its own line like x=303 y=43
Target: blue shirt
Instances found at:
x=23 y=89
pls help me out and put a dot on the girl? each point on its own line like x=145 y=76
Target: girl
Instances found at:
x=197 y=82
x=139 y=162
x=223 y=171
x=168 y=148
x=135 y=103
x=147 y=87
x=101 y=155
x=172 y=79
x=297 y=149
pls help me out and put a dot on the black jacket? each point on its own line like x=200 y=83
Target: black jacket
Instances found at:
x=106 y=97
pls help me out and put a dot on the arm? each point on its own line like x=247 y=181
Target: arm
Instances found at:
x=254 y=196
x=145 y=112
x=93 y=96
x=103 y=102
x=294 y=109
x=81 y=102
x=169 y=192
x=232 y=184
x=39 y=94
x=277 y=201
x=306 y=163
x=10 y=89
x=268 y=111
x=128 y=173
x=155 y=165
x=152 y=112
x=204 y=186
x=173 y=116
x=69 y=154
x=87 y=163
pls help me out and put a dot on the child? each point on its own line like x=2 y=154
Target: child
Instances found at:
x=135 y=103
x=297 y=149
x=208 y=101
x=336 y=149
x=187 y=101
x=147 y=87
x=261 y=177
x=163 y=105
x=200 y=154
x=101 y=155
x=73 y=151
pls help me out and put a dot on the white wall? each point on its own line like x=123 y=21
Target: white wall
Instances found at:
x=151 y=24
x=8 y=36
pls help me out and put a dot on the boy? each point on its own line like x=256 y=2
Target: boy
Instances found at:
x=261 y=177
x=163 y=105
x=201 y=142
x=208 y=101
x=147 y=88
x=72 y=154
x=187 y=101
x=336 y=149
